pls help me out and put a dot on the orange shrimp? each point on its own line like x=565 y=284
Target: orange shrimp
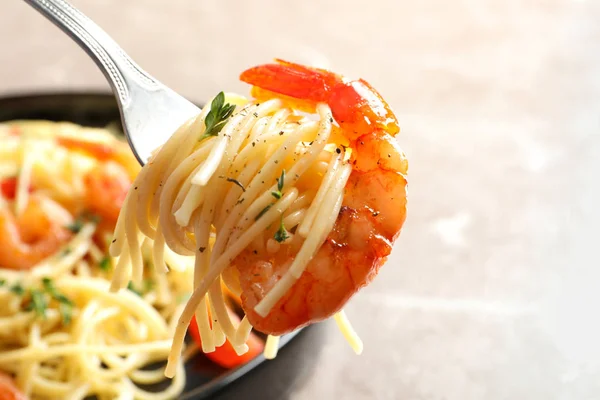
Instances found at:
x=372 y=213
x=116 y=151
x=106 y=188
x=356 y=106
x=32 y=236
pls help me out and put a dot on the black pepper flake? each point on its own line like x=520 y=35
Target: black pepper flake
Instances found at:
x=135 y=188
x=114 y=240
x=361 y=142
x=276 y=161
x=376 y=213
x=330 y=119
x=201 y=249
x=280 y=133
x=255 y=252
x=389 y=155
x=255 y=114
x=253 y=144
x=338 y=150
x=236 y=182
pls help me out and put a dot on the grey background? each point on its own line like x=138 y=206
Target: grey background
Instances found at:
x=491 y=292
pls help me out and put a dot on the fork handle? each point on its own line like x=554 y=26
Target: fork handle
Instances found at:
x=120 y=71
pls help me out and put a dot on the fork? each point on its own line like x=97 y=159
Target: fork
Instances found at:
x=150 y=111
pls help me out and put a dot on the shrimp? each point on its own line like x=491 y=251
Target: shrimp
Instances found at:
x=106 y=188
x=356 y=106
x=34 y=235
x=114 y=150
x=371 y=216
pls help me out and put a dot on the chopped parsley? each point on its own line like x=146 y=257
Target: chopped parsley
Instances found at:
x=75 y=226
x=263 y=212
x=37 y=303
x=131 y=287
x=280 y=182
x=278 y=194
x=65 y=306
x=38 y=299
x=147 y=285
x=216 y=118
x=66 y=310
x=80 y=221
x=17 y=289
x=105 y=264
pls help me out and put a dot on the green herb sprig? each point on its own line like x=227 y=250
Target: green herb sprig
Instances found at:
x=216 y=118
x=147 y=286
x=263 y=212
x=81 y=220
x=280 y=182
x=105 y=264
x=38 y=299
x=65 y=305
x=37 y=303
x=282 y=234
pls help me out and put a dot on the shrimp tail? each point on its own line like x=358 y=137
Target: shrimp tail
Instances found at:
x=355 y=104
x=293 y=80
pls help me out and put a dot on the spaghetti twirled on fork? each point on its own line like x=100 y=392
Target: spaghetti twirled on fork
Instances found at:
x=292 y=199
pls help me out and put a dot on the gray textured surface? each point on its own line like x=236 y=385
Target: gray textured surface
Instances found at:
x=491 y=292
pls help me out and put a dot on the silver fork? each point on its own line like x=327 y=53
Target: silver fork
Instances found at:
x=150 y=111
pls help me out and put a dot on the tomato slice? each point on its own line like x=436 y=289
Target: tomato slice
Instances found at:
x=8 y=389
x=8 y=187
x=225 y=356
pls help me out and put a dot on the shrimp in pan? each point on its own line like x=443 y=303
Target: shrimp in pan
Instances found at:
x=372 y=211
x=33 y=235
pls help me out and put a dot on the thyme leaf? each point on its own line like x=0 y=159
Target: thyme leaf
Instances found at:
x=281 y=235
x=217 y=116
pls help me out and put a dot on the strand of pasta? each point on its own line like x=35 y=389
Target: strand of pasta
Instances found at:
x=349 y=333
x=324 y=222
x=271 y=347
x=332 y=168
x=43 y=352
x=236 y=132
x=24 y=178
x=215 y=269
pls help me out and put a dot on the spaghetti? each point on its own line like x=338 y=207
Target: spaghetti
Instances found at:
x=62 y=333
x=261 y=193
